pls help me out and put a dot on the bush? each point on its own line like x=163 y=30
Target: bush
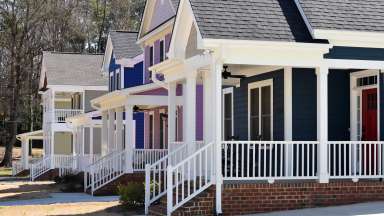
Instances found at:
x=131 y=195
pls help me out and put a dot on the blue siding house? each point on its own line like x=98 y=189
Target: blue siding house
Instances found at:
x=123 y=62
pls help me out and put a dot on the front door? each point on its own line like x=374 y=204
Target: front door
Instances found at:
x=369 y=114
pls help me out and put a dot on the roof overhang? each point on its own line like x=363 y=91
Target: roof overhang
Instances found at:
x=168 y=24
x=34 y=135
x=130 y=62
x=123 y=97
x=85 y=119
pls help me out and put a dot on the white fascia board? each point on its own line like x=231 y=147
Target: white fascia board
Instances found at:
x=118 y=98
x=351 y=63
x=156 y=31
x=268 y=53
x=75 y=88
x=130 y=62
x=351 y=38
x=107 y=56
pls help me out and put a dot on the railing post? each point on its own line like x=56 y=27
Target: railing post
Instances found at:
x=147 y=188
x=169 y=190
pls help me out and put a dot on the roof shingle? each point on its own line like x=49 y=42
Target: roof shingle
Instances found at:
x=124 y=44
x=351 y=15
x=73 y=69
x=268 y=20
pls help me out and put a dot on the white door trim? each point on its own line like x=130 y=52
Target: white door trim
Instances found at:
x=228 y=90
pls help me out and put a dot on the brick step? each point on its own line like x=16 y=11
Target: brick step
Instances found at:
x=158 y=210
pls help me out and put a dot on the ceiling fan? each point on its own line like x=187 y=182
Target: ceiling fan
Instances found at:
x=227 y=74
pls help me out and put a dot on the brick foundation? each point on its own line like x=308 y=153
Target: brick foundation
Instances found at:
x=248 y=198
x=111 y=188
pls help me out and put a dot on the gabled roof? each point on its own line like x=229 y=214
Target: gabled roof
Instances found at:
x=349 y=15
x=124 y=44
x=267 y=20
x=72 y=69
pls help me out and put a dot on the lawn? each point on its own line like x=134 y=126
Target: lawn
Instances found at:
x=5 y=172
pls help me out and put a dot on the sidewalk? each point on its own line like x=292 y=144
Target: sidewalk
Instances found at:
x=362 y=209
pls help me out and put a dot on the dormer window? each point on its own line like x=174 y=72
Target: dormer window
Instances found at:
x=162 y=51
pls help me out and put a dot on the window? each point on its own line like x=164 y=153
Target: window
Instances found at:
x=118 y=81
x=365 y=81
x=228 y=114
x=162 y=51
x=260 y=111
x=110 y=81
x=151 y=56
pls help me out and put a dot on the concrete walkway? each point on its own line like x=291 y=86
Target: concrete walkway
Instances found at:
x=362 y=209
x=61 y=198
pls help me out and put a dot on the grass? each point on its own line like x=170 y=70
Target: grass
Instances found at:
x=5 y=172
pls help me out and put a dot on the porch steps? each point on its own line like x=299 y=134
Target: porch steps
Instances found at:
x=111 y=187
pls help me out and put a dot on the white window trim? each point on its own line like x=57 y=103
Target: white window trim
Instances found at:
x=356 y=91
x=122 y=77
x=259 y=84
x=227 y=91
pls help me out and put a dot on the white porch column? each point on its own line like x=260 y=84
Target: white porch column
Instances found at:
x=171 y=114
x=129 y=137
x=74 y=140
x=217 y=125
x=119 y=128
x=190 y=112
x=111 y=130
x=91 y=139
x=288 y=116
x=104 y=133
x=322 y=123
x=25 y=151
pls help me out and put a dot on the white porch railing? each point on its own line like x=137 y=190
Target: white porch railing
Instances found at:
x=142 y=157
x=155 y=175
x=40 y=167
x=62 y=114
x=190 y=177
x=84 y=161
x=105 y=170
x=269 y=160
x=17 y=167
x=355 y=159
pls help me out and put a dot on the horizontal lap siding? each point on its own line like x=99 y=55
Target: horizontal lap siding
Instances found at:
x=241 y=105
x=139 y=117
x=338 y=105
x=304 y=102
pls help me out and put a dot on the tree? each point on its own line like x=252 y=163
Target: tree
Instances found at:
x=28 y=27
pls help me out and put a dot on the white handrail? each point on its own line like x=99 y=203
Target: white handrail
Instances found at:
x=355 y=159
x=62 y=114
x=190 y=177
x=40 y=167
x=269 y=160
x=17 y=167
x=142 y=157
x=105 y=170
x=155 y=175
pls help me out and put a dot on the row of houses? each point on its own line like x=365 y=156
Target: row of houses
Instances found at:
x=224 y=107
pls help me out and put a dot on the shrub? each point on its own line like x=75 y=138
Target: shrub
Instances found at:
x=131 y=195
